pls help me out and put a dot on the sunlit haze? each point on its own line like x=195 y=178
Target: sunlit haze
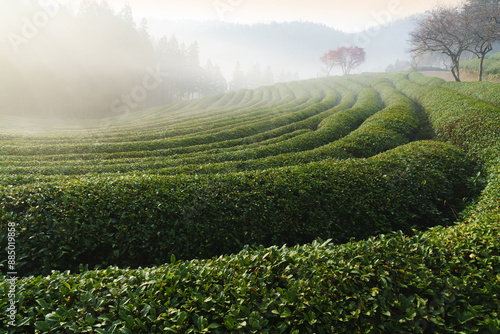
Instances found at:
x=93 y=58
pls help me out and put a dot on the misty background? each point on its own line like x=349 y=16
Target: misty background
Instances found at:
x=97 y=61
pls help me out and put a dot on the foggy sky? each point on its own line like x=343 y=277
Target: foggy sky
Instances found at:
x=95 y=62
x=352 y=15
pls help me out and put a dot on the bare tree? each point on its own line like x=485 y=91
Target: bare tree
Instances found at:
x=444 y=31
x=483 y=22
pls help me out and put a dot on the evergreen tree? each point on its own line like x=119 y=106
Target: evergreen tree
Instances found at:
x=254 y=77
x=239 y=80
x=213 y=82
x=268 y=77
x=93 y=62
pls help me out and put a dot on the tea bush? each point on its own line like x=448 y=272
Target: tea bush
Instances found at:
x=138 y=220
x=456 y=118
x=445 y=280
x=484 y=91
x=441 y=280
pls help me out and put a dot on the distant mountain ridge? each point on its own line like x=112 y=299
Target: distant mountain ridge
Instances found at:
x=286 y=46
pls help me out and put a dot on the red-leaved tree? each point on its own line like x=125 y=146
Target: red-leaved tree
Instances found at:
x=348 y=58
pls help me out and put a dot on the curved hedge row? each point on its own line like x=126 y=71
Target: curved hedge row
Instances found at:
x=340 y=122
x=456 y=118
x=138 y=220
x=236 y=123
x=297 y=143
x=445 y=280
x=441 y=281
x=484 y=91
x=383 y=130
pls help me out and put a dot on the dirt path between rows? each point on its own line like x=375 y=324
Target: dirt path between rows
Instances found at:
x=465 y=76
x=439 y=74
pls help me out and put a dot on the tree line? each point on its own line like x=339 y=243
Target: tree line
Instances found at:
x=472 y=27
x=93 y=62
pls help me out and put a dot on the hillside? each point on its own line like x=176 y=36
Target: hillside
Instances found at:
x=287 y=46
x=362 y=203
x=491 y=68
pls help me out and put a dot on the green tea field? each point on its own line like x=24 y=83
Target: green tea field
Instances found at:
x=355 y=204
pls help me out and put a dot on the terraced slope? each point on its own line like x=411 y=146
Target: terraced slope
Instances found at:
x=202 y=178
x=332 y=158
